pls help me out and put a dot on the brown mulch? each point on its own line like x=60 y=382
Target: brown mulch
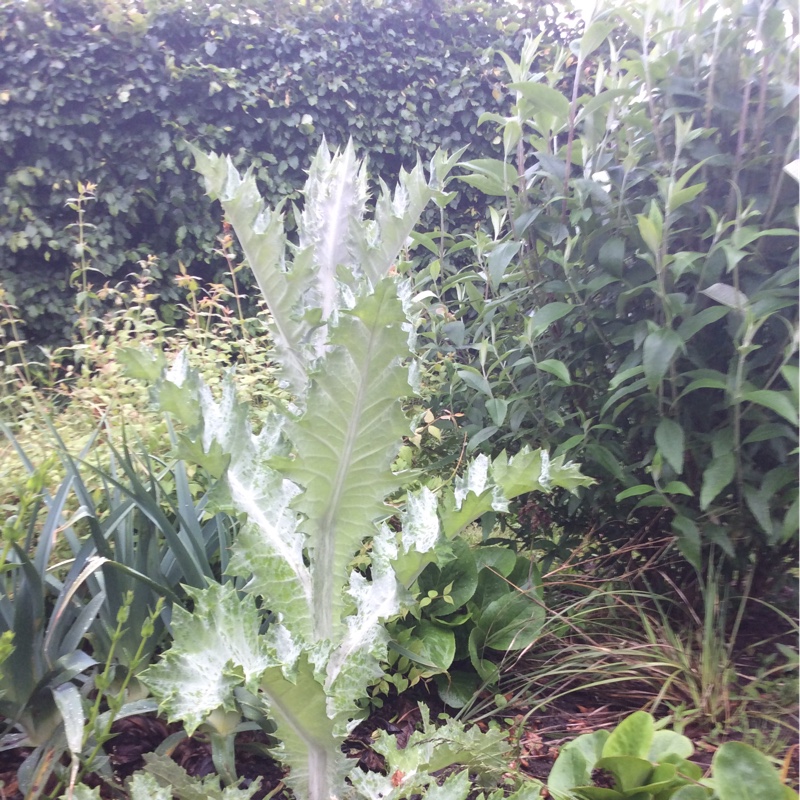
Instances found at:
x=536 y=737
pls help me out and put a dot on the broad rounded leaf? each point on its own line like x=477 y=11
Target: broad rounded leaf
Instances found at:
x=632 y=737
x=669 y=743
x=457 y=688
x=740 y=772
x=435 y=644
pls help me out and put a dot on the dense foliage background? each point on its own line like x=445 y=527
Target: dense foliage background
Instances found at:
x=107 y=93
x=633 y=301
x=599 y=468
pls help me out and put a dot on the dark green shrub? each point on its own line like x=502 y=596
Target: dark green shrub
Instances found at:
x=105 y=93
x=635 y=302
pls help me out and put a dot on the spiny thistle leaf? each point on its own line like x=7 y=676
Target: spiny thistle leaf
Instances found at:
x=261 y=233
x=215 y=649
x=346 y=443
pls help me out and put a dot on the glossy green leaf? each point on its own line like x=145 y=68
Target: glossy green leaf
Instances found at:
x=633 y=491
x=460 y=571
x=511 y=622
x=498 y=558
x=658 y=352
x=543 y=98
x=457 y=687
x=632 y=737
x=670 y=442
x=775 y=401
x=716 y=476
x=740 y=772
x=542 y=318
x=556 y=368
x=435 y=644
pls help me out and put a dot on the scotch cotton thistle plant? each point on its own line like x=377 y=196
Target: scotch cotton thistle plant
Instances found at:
x=314 y=481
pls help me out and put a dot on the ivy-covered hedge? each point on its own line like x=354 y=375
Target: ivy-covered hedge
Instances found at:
x=107 y=93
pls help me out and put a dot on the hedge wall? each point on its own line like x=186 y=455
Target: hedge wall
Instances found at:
x=104 y=93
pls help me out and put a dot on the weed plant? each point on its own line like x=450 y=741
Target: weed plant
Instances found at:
x=630 y=649
x=83 y=388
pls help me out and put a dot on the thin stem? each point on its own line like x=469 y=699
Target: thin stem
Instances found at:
x=743 y=120
x=573 y=109
x=648 y=79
